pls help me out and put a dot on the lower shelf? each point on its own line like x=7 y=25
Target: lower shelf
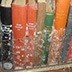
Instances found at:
x=58 y=68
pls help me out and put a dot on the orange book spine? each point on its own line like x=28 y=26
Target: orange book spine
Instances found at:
x=61 y=15
x=31 y=25
x=19 y=33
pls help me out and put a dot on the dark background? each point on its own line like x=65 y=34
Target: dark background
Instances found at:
x=0 y=30
x=0 y=8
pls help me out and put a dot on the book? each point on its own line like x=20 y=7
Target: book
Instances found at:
x=6 y=12
x=19 y=33
x=61 y=15
x=67 y=38
x=49 y=17
x=31 y=30
x=6 y=50
x=69 y=56
x=39 y=32
x=6 y=3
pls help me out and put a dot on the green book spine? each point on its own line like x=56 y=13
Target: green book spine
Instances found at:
x=47 y=36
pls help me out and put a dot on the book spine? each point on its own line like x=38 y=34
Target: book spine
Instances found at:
x=67 y=39
x=31 y=29
x=6 y=15
x=47 y=36
x=6 y=50
x=39 y=33
x=61 y=14
x=19 y=33
x=69 y=56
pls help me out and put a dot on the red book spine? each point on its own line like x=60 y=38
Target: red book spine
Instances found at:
x=19 y=33
x=31 y=25
x=69 y=57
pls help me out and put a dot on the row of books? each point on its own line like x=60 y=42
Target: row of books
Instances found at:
x=36 y=33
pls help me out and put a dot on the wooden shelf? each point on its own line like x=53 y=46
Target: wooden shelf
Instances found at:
x=58 y=68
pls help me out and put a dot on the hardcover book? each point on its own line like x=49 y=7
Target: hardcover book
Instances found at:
x=19 y=33
x=31 y=30
x=69 y=56
x=61 y=15
x=49 y=17
x=67 y=38
x=6 y=19
x=39 y=32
